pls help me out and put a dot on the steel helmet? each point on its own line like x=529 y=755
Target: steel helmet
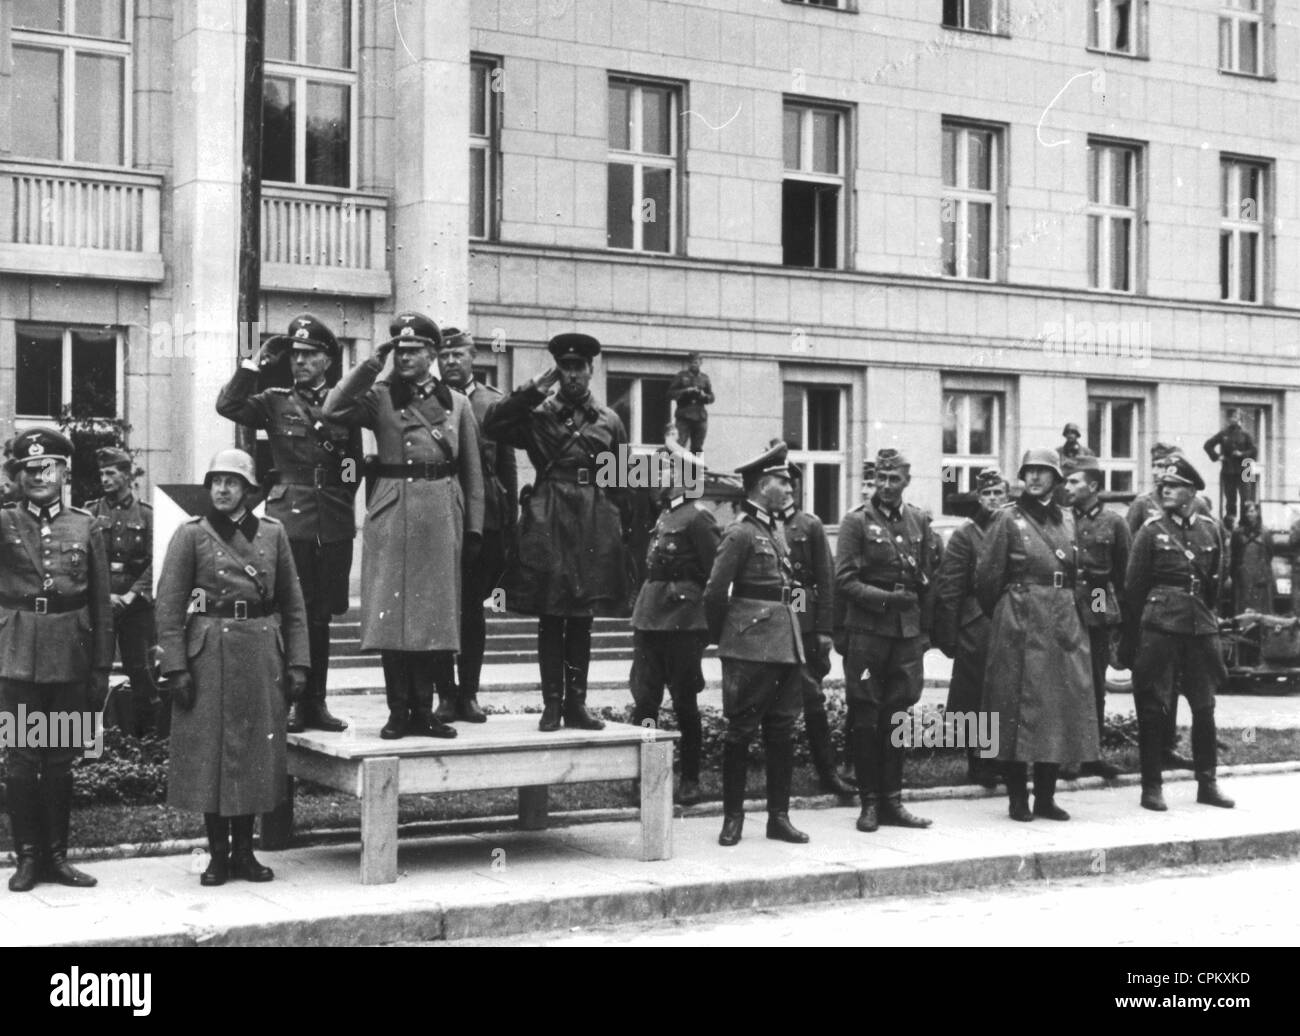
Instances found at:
x=232 y=462
x=1041 y=458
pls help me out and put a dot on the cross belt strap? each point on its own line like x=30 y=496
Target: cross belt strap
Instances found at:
x=248 y=567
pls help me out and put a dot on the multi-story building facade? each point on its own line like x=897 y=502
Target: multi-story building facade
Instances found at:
x=948 y=226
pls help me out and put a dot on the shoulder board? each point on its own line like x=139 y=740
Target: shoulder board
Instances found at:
x=193 y=519
x=491 y=390
x=93 y=503
x=280 y=391
x=144 y=503
x=1152 y=520
x=81 y=511
x=1198 y=517
x=267 y=519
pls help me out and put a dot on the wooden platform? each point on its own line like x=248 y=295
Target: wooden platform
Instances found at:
x=504 y=752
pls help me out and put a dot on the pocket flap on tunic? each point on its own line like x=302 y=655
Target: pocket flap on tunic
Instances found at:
x=195 y=637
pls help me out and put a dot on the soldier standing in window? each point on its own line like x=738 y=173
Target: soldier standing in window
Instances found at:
x=1235 y=448
x=316 y=473
x=126 y=523
x=1175 y=576
x=669 y=631
x=571 y=557
x=691 y=390
x=1104 y=542
x=1038 y=681
x=424 y=524
x=761 y=646
x=882 y=573
x=961 y=629
x=56 y=648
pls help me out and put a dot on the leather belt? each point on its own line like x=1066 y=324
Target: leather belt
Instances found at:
x=1191 y=584
x=46 y=604
x=237 y=609
x=583 y=476
x=1059 y=580
x=318 y=477
x=427 y=470
x=753 y=592
x=904 y=584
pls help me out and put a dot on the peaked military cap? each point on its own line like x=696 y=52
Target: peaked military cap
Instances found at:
x=772 y=462
x=574 y=345
x=1183 y=474
x=113 y=457
x=455 y=338
x=410 y=328
x=1161 y=450
x=38 y=446
x=309 y=332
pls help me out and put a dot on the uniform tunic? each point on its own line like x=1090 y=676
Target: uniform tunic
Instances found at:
x=1148 y=506
x=961 y=629
x=1104 y=543
x=1038 y=679
x=756 y=629
x=228 y=752
x=813 y=569
x=1175 y=574
x=1252 y=571
x=415 y=527
x=571 y=558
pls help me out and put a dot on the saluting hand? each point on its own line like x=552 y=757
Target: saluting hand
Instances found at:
x=272 y=352
x=548 y=380
x=383 y=350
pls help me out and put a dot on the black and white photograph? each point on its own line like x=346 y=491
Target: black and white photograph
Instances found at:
x=651 y=473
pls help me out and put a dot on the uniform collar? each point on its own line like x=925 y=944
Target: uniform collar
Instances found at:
x=470 y=387
x=1091 y=512
x=226 y=529
x=788 y=514
x=677 y=501
x=128 y=499
x=759 y=513
x=566 y=409
x=425 y=388
x=45 y=515
x=1042 y=511
x=882 y=508
x=314 y=394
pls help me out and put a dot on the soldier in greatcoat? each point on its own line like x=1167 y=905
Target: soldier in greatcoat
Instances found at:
x=1038 y=680
x=1104 y=541
x=126 y=523
x=316 y=471
x=233 y=629
x=760 y=644
x=883 y=572
x=484 y=573
x=425 y=516
x=56 y=649
x=574 y=524
x=669 y=630
x=961 y=629
x=1175 y=575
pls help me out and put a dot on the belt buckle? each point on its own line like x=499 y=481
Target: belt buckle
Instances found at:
x=1195 y=585
x=787 y=595
x=241 y=609
x=42 y=606
x=584 y=476
x=1058 y=580
x=319 y=476
x=117 y=566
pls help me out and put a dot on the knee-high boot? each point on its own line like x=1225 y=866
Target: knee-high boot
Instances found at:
x=1045 y=775
x=862 y=743
x=688 y=723
x=892 y=810
x=56 y=816
x=218 y=871
x=577 y=660
x=550 y=660
x=443 y=665
x=1172 y=760
x=423 y=721
x=1205 y=751
x=243 y=864
x=780 y=774
x=22 y=792
x=1152 y=727
x=823 y=753
x=735 y=769
x=396 y=687
x=311 y=713
x=1017 y=778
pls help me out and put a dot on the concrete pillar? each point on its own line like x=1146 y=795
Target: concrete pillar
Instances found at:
x=208 y=60
x=431 y=145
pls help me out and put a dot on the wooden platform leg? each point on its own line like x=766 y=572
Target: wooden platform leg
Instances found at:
x=379 y=821
x=656 y=800
x=277 y=826
x=533 y=805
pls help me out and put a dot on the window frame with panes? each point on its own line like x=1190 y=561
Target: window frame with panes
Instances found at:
x=70 y=380
x=302 y=77
x=485 y=146
x=1236 y=225
x=73 y=49
x=1102 y=27
x=1235 y=19
x=811 y=171
x=959 y=197
x=1262 y=409
x=643 y=430
x=639 y=160
x=1102 y=404
x=1104 y=213
x=956 y=14
x=961 y=465
x=825 y=467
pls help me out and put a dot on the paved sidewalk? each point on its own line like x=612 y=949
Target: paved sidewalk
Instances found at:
x=507 y=881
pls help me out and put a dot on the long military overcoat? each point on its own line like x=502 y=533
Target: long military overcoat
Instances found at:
x=228 y=752
x=1038 y=678
x=961 y=629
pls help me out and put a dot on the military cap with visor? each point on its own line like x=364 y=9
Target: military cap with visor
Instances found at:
x=1181 y=473
x=410 y=328
x=772 y=462
x=573 y=346
x=307 y=332
x=36 y=447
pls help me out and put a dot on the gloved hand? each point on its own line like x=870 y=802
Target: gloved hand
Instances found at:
x=296 y=684
x=99 y=689
x=119 y=605
x=183 y=689
x=382 y=351
x=272 y=352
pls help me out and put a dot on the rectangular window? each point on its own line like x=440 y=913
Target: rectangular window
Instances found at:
x=813 y=191
x=842 y=5
x=58 y=368
x=644 y=145
x=815 y=429
x=1114 y=432
x=641 y=402
x=71 y=63
x=1241 y=36
x=1257 y=419
x=1113 y=215
x=972 y=441
x=484 y=152
x=1242 y=240
x=1117 y=26
x=309 y=101
x=972 y=191
x=976 y=15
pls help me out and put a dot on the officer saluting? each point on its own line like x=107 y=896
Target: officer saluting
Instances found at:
x=760 y=643
x=56 y=647
x=669 y=631
x=127 y=526
x=315 y=479
x=882 y=572
x=1174 y=577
